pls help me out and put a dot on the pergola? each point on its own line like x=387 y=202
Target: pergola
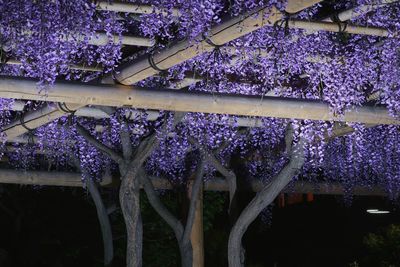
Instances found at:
x=124 y=89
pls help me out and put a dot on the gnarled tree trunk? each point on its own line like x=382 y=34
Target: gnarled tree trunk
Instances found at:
x=182 y=233
x=129 y=196
x=261 y=201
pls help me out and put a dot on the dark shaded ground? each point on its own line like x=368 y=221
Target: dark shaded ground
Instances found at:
x=58 y=227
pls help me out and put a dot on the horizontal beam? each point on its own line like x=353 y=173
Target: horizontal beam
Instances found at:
x=102 y=39
x=337 y=27
x=72 y=179
x=72 y=66
x=126 y=7
x=324 y=188
x=83 y=94
x=298 y=5
x=97 y=113
x=361 y=10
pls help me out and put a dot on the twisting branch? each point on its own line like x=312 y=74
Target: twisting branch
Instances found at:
x=129 y=164
x=263 y=199
x=104 y=221
x=100 y=146
x=193 y=200
x=102 y=215
x=126 y=141
x=211 y=158
x=147 y=146
x=182 y=233
x=159 y=207
x=130 y=195
x=145 y=149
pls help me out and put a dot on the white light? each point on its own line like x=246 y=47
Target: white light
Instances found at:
x=372 y=210
x=375 y=211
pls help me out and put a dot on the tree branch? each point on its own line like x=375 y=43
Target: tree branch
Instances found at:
x=102 y=215
x=159 y=207
x=193 y=200
x=147 y=146
x=97 y=144
x=228 y=174
x=145 y=149
x=263 y=199
x=104 y=221
x=126 y=142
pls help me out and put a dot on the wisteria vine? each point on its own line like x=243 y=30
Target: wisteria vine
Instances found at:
x=340 y=69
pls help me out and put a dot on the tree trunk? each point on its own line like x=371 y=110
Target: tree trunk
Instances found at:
x=129 y=195
x=183 y=234
x=260 y=202
x=104 y=222
x=186 y=254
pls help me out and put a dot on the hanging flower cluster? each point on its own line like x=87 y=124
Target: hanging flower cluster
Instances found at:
x=48 y=37
x=343 y=70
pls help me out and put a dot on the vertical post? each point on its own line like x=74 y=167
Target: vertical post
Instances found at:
x=197 y=235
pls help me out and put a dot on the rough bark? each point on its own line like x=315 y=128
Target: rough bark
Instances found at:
x=130 y=164
x=262 y=200
x=100 y=146
x=129 y=196
x=229 y=175
x=182 y=234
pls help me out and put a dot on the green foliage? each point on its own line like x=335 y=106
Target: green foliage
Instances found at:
x=214 y=203
x=383 y=248
x=160 y=247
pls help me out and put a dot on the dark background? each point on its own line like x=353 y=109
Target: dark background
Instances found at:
x=58 y=227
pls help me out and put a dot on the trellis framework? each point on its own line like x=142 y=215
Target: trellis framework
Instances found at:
x=107 y=95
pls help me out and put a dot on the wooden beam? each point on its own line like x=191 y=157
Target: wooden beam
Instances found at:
x=314 y=26
x=227 y=31
x=126 y=7
x=294 y=6
x=361 y=10
x=34 y=119
x=323 y=188
x=72 y=66
x=17 y=106
x=69 y=179
x=143 y=98
x=102 y=39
